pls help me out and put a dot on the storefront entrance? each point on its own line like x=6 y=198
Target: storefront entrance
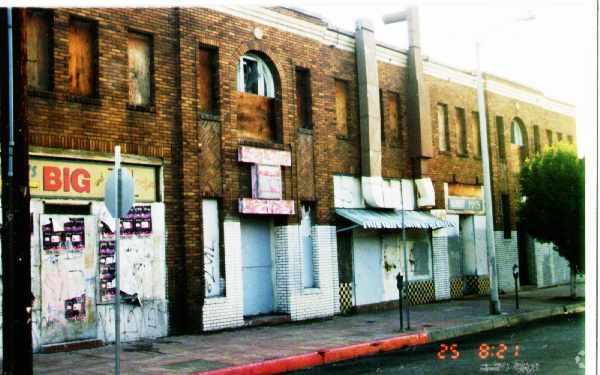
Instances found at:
x=368 y=267
x=257 y=266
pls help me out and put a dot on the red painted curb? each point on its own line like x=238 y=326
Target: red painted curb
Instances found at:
x=321 y=357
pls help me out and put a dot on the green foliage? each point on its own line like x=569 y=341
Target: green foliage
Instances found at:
x=553 y=210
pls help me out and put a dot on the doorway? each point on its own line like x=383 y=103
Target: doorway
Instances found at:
x=257 y=266
x=368 y=267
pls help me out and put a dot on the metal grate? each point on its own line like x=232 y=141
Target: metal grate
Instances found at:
x=420 y=292
x=346 y=298
x=456 y=287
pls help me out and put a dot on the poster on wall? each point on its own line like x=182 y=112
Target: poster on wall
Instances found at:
x=63 y=236
x=137 y=254
x=68 y=275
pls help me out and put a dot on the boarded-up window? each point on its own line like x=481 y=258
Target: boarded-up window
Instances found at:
x=477 y=132
x=536 y=138
x=214 y=259
x=39 y=42
x=341 y=107
x=392 y=108
x=501 y=141
x=303 y=98
x=443 y=130
x=82 y=57
x=549 y=137
x=139 y=47
x=206 y=79
x=462 y=130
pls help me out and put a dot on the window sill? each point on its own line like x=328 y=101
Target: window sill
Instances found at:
x=141 y=108
x=447 y=153
x=464 y=156
x=84 y=99
x=216 y=300
x=209 y=116
x=311 y=291
x=40 y=93
x=342 y=137
x=305 y=131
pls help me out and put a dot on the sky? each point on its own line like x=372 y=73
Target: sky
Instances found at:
x=550 y=52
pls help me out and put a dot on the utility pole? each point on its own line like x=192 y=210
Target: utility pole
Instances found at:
x=17 y=298
x=487 y=192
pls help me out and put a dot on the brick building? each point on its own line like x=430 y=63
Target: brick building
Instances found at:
x=260 y=139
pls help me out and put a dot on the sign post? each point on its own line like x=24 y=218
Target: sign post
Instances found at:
x=118 y=198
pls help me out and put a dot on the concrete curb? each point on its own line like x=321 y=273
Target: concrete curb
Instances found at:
x=343 y=353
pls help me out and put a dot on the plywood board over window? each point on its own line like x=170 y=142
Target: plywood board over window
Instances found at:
x=82 y=57
x=206 y=80
x=39 y=42
x=139 y=48
x=341 y=107
x=256 y=117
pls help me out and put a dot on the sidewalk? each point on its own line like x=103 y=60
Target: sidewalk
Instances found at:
x=309 y=343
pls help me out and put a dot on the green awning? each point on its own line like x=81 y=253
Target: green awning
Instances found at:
x=379 y=219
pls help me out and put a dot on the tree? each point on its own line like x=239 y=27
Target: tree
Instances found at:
x=552 y=208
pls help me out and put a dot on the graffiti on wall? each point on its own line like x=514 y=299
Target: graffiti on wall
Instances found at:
x=67 y=278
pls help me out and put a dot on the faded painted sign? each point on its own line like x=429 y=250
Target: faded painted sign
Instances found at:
x=265 y=156
x=266 y=206
x=64 y=178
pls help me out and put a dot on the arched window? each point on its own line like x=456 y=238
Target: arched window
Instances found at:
x=254 y=76
x=517 y=136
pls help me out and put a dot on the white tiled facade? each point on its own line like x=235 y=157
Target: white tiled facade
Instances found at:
x=228 y=311
x=290 y=296
x=507 y=255
x=441 y=271
x=550 y=267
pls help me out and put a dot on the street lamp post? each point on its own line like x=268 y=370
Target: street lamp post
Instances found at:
x=487 y=186
x=487 y=189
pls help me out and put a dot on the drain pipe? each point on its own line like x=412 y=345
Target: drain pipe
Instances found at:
x=370 y=114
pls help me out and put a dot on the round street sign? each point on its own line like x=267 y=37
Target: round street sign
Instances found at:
x=126 y=193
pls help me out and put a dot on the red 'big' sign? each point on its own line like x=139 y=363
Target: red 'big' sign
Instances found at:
x=55 y=179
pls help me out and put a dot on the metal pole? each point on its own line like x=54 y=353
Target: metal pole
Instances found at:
x=117 y=270
x=485 y=160
x=16 y=225
x=11 y=107
x=405 y=256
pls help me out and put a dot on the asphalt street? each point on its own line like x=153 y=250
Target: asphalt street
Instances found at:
x=548 y=346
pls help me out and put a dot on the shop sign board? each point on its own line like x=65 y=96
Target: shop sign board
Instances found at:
x=465 y=204
x=266 y=182
x=82 y=179
x=461 y=198
x=265 y=156
x=266 y=206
